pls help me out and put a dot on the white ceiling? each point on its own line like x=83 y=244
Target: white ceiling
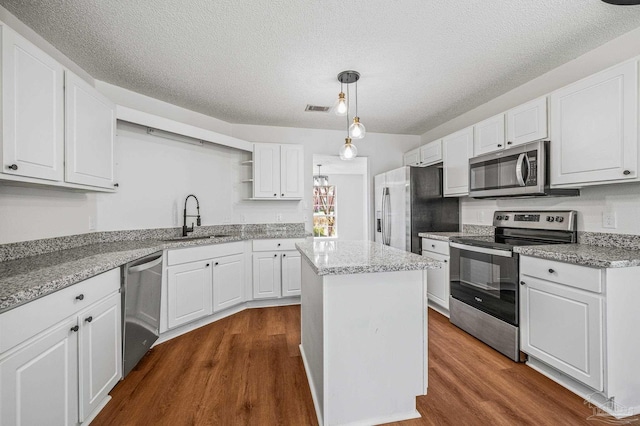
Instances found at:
x=333 y=165
x=422 y=62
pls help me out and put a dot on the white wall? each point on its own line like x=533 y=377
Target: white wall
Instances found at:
x=28 y=213
x=351 y=206
x=384 y=152
x=622 y=199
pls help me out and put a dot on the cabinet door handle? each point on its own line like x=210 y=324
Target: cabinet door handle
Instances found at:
x=445 y=261
x=509 y=143
x=116 y=185
x=216 y=264
x=283 y=255
x=275 y=195
x=499 y=145
x=283 y=195
x=207 y=265
x=75 y=328
x=13 y=167
x=278 y=244
x=522 y=283
x=80 y=297
x=275 y=255
x=89 y=319
x=551 y=271
x=626 y=172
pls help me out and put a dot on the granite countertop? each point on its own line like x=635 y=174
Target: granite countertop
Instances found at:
x=585 y=255
x=442 y=236
x=358 y=257
x=23 y=280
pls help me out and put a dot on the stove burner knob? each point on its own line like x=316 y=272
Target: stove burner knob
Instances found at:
x=550 y=219
x=559 y=219
x=498 y=217
x=506 y=217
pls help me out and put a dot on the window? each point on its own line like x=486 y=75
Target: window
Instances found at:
x=324 y=212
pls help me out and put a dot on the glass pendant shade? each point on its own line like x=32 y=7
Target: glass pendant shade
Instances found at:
x=348 y=151
x=357 y=129
x=340 y=106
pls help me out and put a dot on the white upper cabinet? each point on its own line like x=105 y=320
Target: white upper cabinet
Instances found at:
x=32 y=110
x=90 y=134
x=278 y=172
x=457 y=148
x=431 y=153
x=594 y=128
x=527 y=122
x=488 y=135
x=425 y=155
x=412 y=158
x=291 y=171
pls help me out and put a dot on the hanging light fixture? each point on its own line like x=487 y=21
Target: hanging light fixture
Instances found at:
x=348 y=151
x=320 y=180
x=340 y=106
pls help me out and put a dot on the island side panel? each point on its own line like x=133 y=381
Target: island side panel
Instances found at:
x=312 y=336
x=375 y=330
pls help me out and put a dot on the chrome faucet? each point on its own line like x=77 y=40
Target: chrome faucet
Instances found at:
x=185 y=228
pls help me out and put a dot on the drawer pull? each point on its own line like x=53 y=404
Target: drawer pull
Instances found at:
x=522 y=283
x=283 y=255
x=89 y=319
x=80 y=297
x=551 y=271
x=75 y=328
x=433 y=246
x=275 y=255
x=626 y=172
x=278 y=244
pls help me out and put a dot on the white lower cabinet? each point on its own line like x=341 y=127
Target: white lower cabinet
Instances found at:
x=100 y=355
x=39 y=383
x=202 y=280
x=581 y=326
x=60 y=371
x=438 y=285
x=228 y=279
x=276 y=268
x=190 y=287
x=562 y=326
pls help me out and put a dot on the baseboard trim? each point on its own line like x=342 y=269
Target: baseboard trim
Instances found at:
x=95 y=412
x=314 y=395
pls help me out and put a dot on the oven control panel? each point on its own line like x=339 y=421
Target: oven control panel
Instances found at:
x=558 y=219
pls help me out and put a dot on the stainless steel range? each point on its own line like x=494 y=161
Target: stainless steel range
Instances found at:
x=484 y=273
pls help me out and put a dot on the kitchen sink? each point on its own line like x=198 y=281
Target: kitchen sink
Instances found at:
x=205 y=237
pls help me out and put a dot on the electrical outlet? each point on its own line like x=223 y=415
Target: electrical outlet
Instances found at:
x=481 y=216
x=92 y=223
x=609 y=220
x=278 y=217
x=226 y=220
x=243 y=218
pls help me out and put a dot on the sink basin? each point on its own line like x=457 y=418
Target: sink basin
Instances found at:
x=205 y=237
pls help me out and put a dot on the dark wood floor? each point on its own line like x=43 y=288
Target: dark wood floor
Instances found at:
x=247 y=370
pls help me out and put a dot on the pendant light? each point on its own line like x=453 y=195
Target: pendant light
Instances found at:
x=357 y=130
x=340 y=106
x=320 y=180
x=348 y=151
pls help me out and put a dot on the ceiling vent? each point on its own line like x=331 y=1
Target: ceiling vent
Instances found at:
x=316 y=108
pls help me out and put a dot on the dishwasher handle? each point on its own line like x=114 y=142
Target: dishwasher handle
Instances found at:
x=141 y=267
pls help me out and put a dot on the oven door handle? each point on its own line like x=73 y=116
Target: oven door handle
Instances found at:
x=522 y=158
x=483 y=250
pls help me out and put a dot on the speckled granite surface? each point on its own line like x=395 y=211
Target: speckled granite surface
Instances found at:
x=466 y=231
x=23 y=280
x=358 y=257
x=585 y=255
x=36 y=247
x=609 y=240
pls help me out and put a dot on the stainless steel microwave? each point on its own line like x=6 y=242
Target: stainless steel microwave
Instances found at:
x=521 y=171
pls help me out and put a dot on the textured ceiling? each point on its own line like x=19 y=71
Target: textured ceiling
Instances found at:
x=422 y=62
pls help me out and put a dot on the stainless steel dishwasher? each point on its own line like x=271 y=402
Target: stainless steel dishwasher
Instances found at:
x=141 y=288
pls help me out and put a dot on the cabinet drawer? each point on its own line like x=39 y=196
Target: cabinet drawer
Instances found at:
x=276 y=244
x=577 y=276
x=437 y=246
x=194 y=254
x=24 y=322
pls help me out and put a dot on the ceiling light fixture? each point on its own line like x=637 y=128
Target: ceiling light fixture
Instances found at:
x=320 y=180
x=348 y=151
x=356 y=131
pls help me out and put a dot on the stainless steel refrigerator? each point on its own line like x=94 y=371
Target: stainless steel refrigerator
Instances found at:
x=409 y=200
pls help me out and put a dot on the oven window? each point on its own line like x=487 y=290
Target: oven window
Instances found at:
x=486 y=282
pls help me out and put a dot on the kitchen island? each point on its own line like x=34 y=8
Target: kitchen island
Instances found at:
x=364 y=330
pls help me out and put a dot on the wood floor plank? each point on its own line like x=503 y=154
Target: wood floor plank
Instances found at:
x=246 y=369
